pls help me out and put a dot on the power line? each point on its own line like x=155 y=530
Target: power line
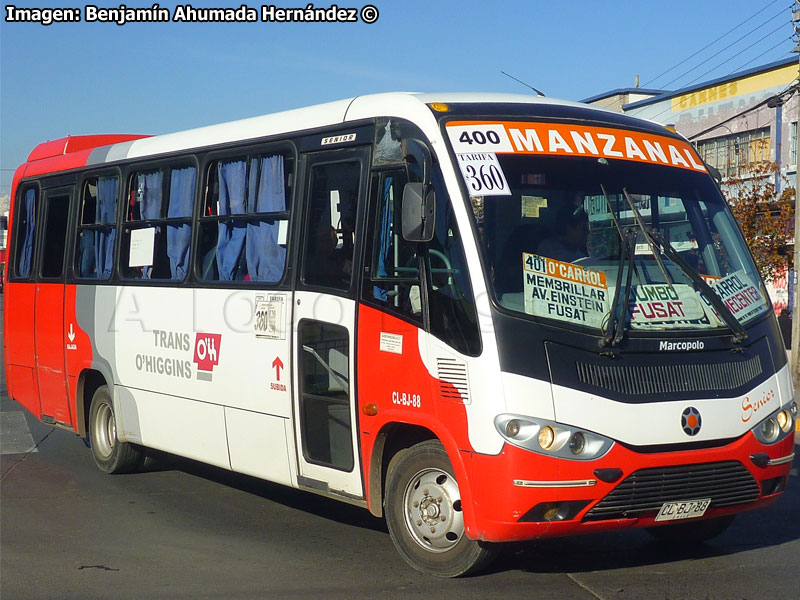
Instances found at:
x=762 y=54
x=655 y=117
x=737 y=54
x=697 y=66
x=754 y=15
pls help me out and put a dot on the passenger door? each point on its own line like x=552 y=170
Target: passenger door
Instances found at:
x=325 y=404
x=50 y=331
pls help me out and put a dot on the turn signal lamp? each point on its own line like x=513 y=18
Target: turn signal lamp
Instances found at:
x=370 y=410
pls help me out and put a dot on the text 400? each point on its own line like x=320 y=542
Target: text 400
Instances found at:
x=479 y=137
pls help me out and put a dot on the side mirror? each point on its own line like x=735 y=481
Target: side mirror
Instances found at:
x=419 y=202
x=419 y=208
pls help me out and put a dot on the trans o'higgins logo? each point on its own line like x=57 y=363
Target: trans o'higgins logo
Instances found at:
x=691 y=421
x=206 y=353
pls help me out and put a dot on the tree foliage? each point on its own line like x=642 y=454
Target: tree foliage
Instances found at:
x=765 y=215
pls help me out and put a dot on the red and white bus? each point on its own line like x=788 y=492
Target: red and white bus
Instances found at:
x=484 y=317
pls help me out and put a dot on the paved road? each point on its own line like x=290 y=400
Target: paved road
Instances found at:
x=189 y=531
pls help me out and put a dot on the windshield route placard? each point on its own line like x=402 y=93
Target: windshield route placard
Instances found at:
x=564 y=291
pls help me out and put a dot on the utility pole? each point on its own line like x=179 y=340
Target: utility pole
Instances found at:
x=795 y=361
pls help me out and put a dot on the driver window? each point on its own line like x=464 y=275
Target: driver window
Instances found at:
x=392 y=281
x=453 y=315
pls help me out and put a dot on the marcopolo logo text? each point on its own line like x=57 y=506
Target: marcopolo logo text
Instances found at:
x=672 y=346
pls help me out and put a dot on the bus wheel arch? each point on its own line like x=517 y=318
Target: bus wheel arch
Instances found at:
x=111 y=455
x=392 y=438
x=88 y=382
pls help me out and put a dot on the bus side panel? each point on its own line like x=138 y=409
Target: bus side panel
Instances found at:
x=78 y=309
x=392 y=375
x=18 y=340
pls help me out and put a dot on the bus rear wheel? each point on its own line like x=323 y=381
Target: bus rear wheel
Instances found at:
x=110 y=454
x=424 y=514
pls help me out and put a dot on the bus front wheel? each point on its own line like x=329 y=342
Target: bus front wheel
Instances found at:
x=110 y=455
x=424 y=513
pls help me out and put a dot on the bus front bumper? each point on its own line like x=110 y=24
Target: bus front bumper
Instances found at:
x=522 y=495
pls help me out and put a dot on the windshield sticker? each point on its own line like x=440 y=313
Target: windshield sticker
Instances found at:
x=562 y=139
x=531 y=206
x=665 y=304
x=563 y=291
x=482 y=174
x=739 y=294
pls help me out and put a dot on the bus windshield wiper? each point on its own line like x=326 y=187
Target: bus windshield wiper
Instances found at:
x=739 y=332
x=647 y=236
x=627 y=255
x=659 y=245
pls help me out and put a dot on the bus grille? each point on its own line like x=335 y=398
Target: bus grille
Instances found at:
x=661 y=379
x=726 y=483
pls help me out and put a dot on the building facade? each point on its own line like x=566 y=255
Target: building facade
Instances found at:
x=736 y=122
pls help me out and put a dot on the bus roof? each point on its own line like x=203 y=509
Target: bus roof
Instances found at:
x=77 y=151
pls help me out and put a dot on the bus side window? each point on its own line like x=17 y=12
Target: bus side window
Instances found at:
x=453 y=315
x=330 y=237
x=244 y=221
x=54 y=232
x=157 y=237
x=94 y=253
x=25 y=232
x=393 y=280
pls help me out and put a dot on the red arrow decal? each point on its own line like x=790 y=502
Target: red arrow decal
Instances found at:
x=278 y=364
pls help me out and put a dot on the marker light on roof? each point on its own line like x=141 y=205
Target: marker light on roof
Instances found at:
x=440 y=107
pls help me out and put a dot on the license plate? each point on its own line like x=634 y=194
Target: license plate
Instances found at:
x=687 y=509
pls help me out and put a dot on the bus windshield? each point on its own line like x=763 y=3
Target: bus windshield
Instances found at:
x=553 y=244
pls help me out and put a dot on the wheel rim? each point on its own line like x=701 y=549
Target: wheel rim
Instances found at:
x=105 y=430
x=433 y=510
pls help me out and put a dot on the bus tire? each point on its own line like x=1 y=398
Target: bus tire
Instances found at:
x=110 y=455
x=686 y=534
x=424 y=516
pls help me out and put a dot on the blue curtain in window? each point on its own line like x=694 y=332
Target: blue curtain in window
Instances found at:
x=181 y=199
x=265 y=257
x=149 y=194
x=104 y=238
x=87 y=256
x=230 y=240
x=384 y=233
x=26 y=253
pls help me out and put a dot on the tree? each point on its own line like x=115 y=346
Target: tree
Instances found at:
x=765 y=215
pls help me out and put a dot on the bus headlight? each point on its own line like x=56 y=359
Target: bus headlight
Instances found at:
x=551 y=438
x=776 y=426
x=577 y=443
x=546 y=437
